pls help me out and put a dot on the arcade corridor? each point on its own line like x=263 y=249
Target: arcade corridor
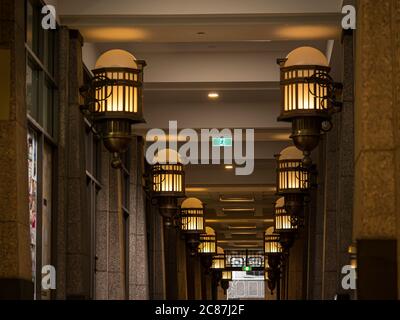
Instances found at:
x=199 y=150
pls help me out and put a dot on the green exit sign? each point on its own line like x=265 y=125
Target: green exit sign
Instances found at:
x=246 y=268
x=222 y=142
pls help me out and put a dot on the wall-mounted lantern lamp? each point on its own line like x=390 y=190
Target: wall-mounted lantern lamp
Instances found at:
x=353 y=255
x=309 y=97
x=114 y=99
x=218 y=261
x=226 y=278
x=207 y=247
x=293 y=181
x=192 y=222
x=285 y=225
x=167 y=183
x=273 y=252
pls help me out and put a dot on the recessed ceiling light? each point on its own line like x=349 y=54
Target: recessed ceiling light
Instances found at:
x=213 y=95
x=238 y=209
x=242 y=227
x=200 y=33
x=244 y=199
x=228 y=167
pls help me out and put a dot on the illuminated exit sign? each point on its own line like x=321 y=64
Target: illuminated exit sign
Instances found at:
x=246 y=268
x=222 y=142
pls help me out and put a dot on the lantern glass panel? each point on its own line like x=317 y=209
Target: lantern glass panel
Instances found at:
x=207 y=244
x=271 y=244
x=301 y=93
x=227 y=275
x=168 y=178
x=118 y=84
x=192 y=220
x=218 y=262
x=283 y=221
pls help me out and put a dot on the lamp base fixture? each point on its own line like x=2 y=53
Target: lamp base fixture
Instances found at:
x=294 y=206
x=225 y=285
x=306 y=133
x=168 y=209
x=192 y=241
x=206 y=261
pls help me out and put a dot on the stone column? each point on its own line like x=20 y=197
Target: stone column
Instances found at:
x=60 y=230
x=78 y=222
x=296 y=285
x=193 y=276
x=138 y=253
x=156 y=254
x=15 y=257
x=175 y=264
x=331 y=212
x=377 y=149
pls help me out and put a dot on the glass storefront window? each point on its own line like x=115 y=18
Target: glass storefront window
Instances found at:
x=32 y=81
x=41 y=108
x=32 y=180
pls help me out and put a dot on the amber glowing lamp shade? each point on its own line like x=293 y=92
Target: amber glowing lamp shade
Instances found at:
x=123 y=93
x=218 y=262
x=208 y=242
x=116 y=90
x=292 y=176
x=168 y=176
x=283 y=220
x=227 y=275
x=271 y=242
x=307 y=97
x=299 y=94
x=192 y=216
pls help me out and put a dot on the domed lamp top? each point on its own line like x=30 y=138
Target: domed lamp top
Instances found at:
x=167 y=156
x=220 y=250
x=209 y=231
x=192 y=203
x=116 y=58
x=291 y=153
x=280 y=202
x=306 y=56
x=270 y=231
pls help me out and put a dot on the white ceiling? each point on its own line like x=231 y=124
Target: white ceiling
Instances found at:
x=235 y=55
x=185 y=7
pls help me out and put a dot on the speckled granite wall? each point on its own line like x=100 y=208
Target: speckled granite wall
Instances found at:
x=377 y=120
x=15 y=258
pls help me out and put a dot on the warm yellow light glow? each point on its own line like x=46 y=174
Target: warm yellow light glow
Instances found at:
x=229 y=167
x=308 y=32
x=122 y=96
x=301 y=94
x=168 y=182
x=291 y=174
x=306 y=56
x=227 y=275
x=283 y=220
x=208 y=242
x=114 y=34
x=192 y=203
x=250 y=199
x=271 y=243
x=168 y=173
x=213 y=95
x=116 y=58
x=219 y=259
x=192 y=218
